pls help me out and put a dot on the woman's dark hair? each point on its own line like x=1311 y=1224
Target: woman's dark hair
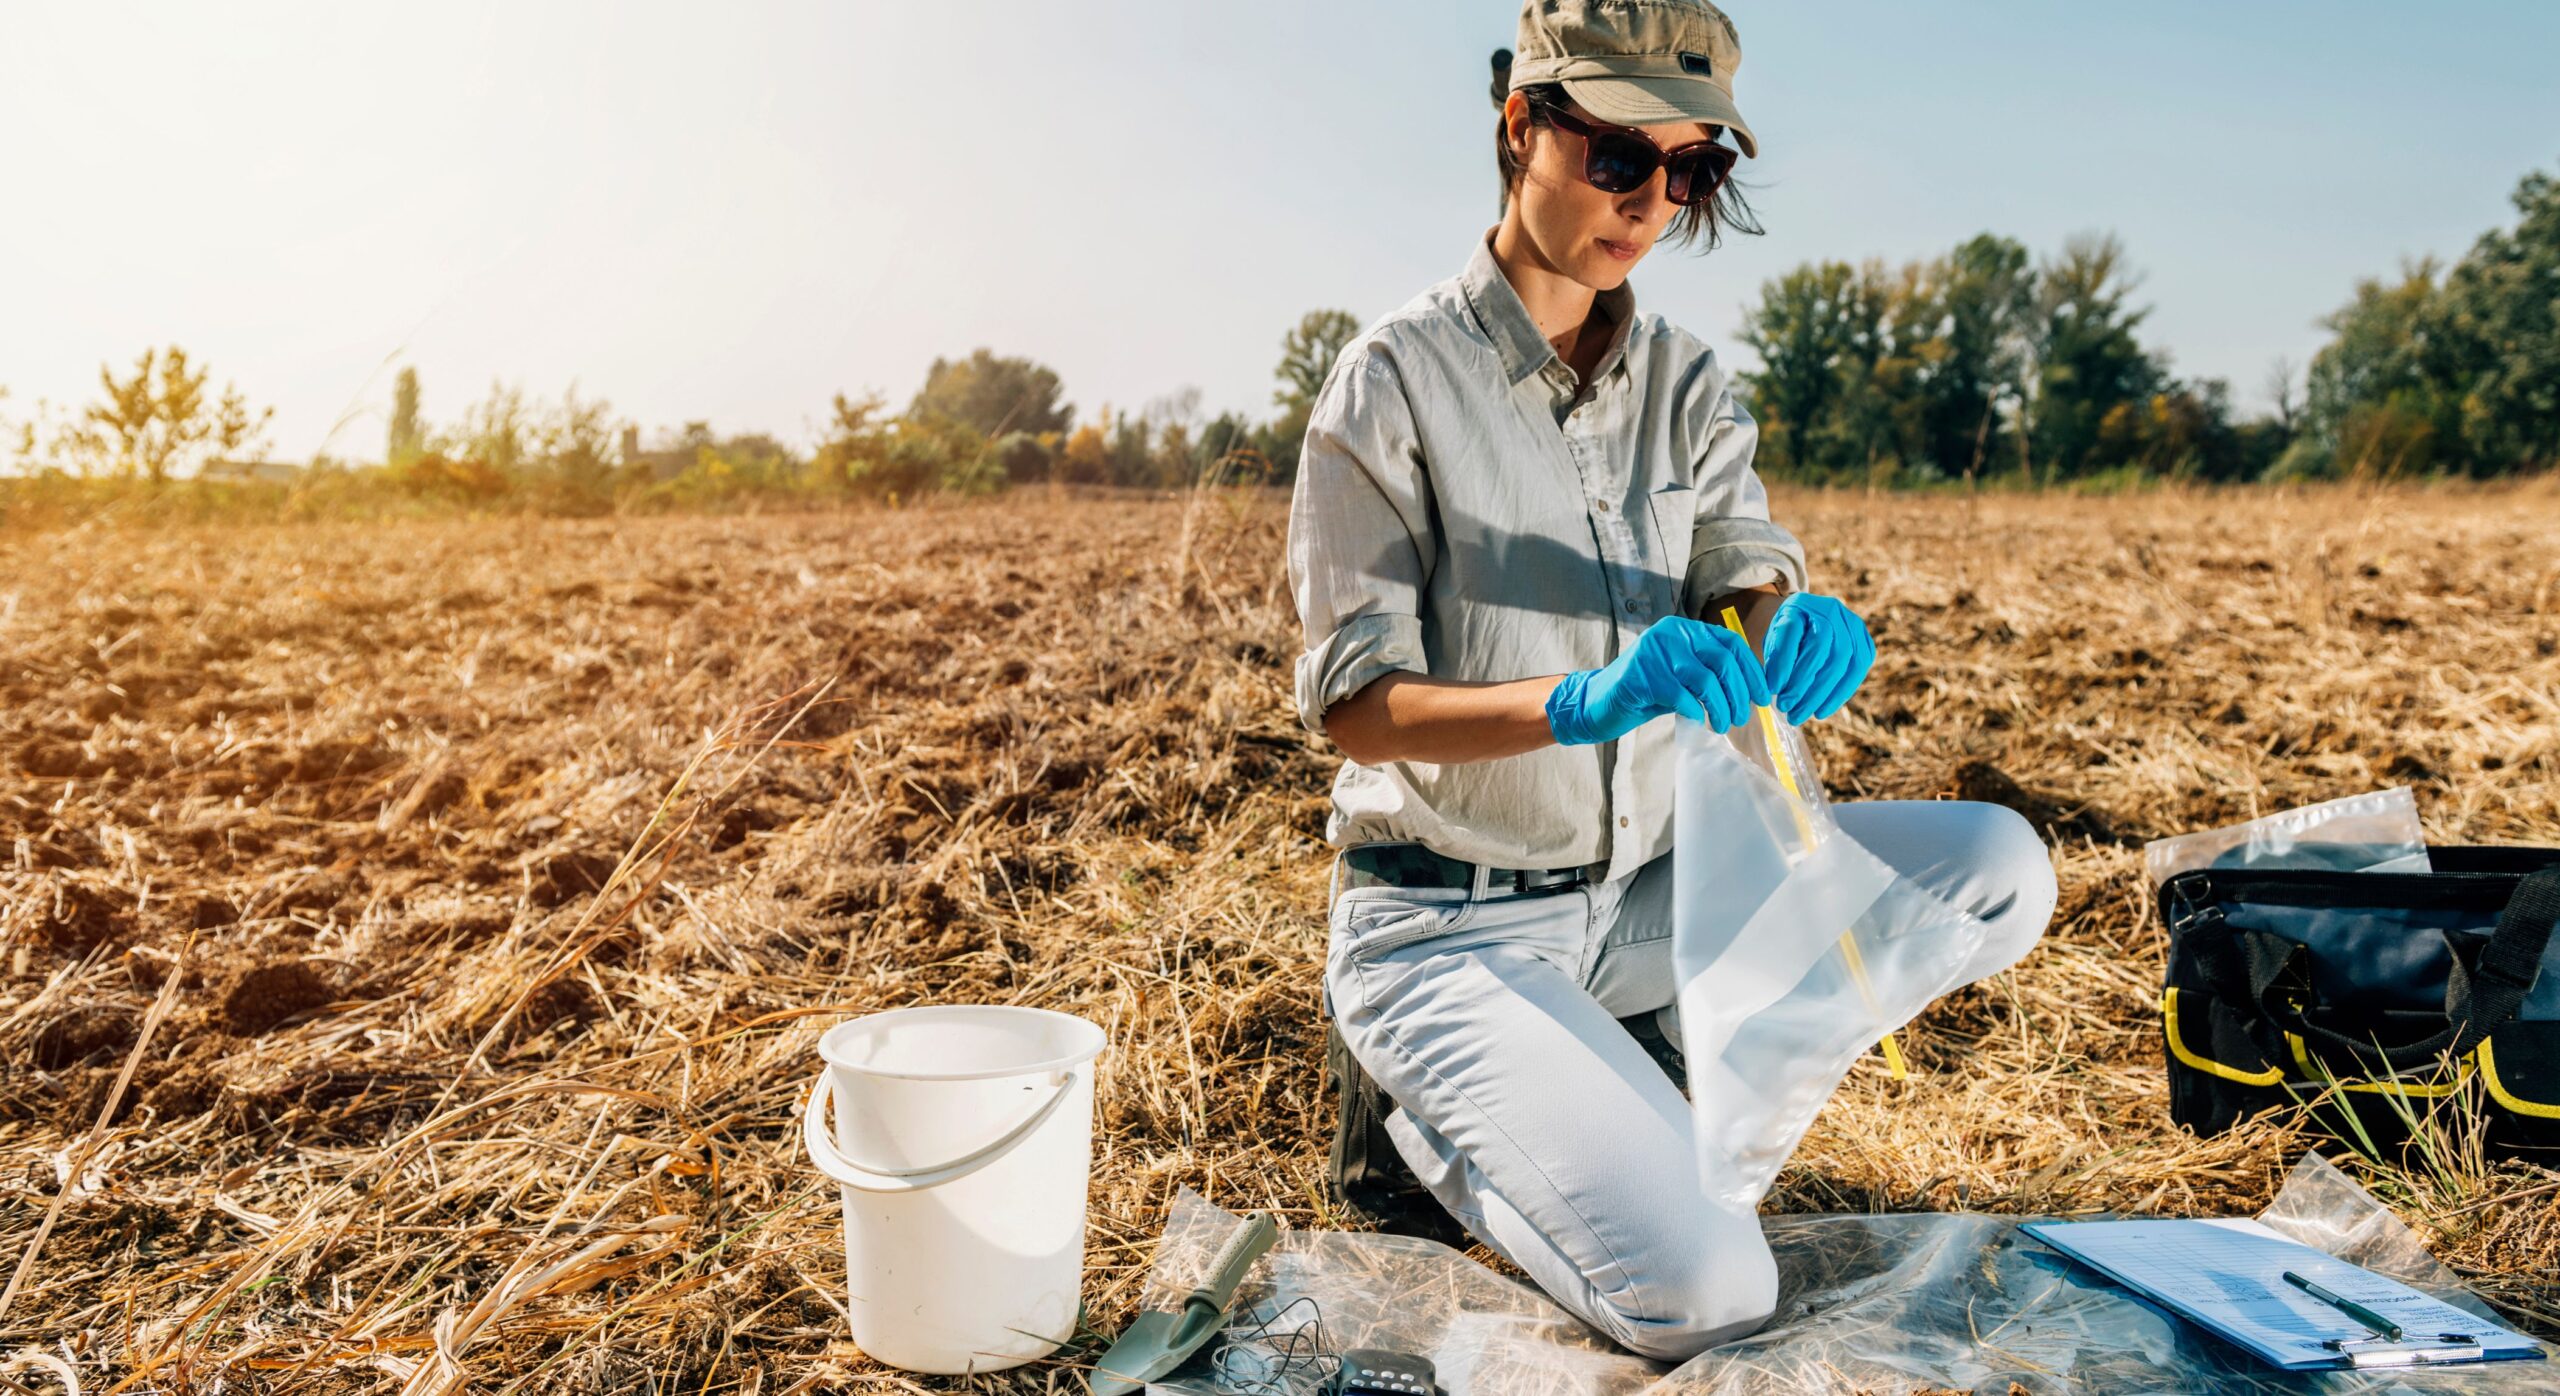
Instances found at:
x=1728 y=209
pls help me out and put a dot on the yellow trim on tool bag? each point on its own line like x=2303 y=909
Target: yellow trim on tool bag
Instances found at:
x=2302 y=1059
x=2178 y=1049
x=2498 y=1090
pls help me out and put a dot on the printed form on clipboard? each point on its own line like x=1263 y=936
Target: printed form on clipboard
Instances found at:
x=2228 y=1277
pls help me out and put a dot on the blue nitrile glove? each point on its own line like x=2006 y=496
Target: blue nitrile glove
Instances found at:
x=1818 y=655
x=1677 y=665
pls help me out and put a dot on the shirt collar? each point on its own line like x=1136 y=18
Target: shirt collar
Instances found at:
x=1523 y=350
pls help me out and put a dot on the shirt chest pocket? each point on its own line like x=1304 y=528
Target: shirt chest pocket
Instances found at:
x=1675 y=523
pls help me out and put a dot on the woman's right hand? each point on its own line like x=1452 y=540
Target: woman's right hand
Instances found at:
x=1678 y=665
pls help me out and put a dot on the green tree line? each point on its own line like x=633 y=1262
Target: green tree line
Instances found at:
x=2447 y=371
x=1986 y=362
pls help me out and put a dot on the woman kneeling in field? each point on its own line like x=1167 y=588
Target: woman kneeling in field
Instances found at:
x=1516 y=498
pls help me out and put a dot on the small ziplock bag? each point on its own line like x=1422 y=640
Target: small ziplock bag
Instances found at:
x=2373 y=832
x=1796 y=950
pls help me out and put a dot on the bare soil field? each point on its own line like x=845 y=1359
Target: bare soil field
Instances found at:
x=417 y=936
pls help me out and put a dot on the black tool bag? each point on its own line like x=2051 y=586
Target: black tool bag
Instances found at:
x=2373 y=999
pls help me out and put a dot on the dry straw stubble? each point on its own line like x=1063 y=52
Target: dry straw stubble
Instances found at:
x=482 y=1067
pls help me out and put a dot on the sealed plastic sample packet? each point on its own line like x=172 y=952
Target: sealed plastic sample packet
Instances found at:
x=1796 y=949
x=2373 y=832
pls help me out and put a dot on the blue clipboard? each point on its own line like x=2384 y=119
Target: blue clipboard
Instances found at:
x=2228 y=1278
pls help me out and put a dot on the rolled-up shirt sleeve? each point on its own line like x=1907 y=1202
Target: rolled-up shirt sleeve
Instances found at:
x=1361 y=539
x=1736 y=545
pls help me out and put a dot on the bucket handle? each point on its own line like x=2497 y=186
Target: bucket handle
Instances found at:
x=819 y=1136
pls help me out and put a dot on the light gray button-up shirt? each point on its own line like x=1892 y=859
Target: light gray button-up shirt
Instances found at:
x=1463 y=511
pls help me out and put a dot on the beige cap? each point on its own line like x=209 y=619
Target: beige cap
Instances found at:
x=1635 y=62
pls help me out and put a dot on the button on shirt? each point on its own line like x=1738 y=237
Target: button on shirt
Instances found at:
x=1465 y=509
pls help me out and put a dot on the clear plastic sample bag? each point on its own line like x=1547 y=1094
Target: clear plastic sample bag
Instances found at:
x=1796 y=949
x=2373 y=832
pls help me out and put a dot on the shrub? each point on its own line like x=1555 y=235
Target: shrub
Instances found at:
x=434 y=475
x=1027 y=457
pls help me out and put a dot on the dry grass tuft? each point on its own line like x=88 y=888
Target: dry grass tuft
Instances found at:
x=465 y=899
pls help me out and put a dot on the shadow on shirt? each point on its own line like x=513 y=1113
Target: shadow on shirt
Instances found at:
x=1540 y=575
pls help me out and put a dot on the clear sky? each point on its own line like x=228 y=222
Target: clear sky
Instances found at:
x=732 y=212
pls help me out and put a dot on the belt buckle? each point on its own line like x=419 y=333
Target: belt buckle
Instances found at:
x=1548 y=879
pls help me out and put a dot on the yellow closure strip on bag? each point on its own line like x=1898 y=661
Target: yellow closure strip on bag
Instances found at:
x=2485 y=1058
x=2498 y=1090
x=1768 y=716
x=2178 y=1049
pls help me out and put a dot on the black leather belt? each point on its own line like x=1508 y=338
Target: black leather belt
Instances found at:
x=1414 y=867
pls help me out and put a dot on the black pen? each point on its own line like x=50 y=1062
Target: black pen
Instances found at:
x=2382 y=1327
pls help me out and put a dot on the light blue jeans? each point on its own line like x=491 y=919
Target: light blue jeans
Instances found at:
x=1543 y=1126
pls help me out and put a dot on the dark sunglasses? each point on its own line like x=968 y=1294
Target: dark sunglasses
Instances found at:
x=1616 y=159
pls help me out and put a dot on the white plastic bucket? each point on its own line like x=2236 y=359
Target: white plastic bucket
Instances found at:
x=962 y=1138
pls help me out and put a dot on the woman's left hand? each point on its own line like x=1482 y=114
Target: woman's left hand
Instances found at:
x=1816 y=653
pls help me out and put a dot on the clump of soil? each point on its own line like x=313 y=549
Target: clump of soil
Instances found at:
x=204 y=910
x=738 y=821
x=186 y=1092
x=80 y=918
x=83 y=1033
x=567 y=876
x=1987 y=783
x=566 y=999
x=265 y=996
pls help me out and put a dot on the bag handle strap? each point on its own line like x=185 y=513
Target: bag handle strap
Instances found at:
x=2497 y=985
x=2272 y=973
x=2279 y=969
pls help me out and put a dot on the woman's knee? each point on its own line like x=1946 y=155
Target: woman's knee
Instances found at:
x=1698 y=1287
x=2016 y=859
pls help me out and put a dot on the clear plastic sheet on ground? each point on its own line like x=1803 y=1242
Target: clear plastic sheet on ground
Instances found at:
x=1884 y=1304
x=2374 y=832
x=1796 y=950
